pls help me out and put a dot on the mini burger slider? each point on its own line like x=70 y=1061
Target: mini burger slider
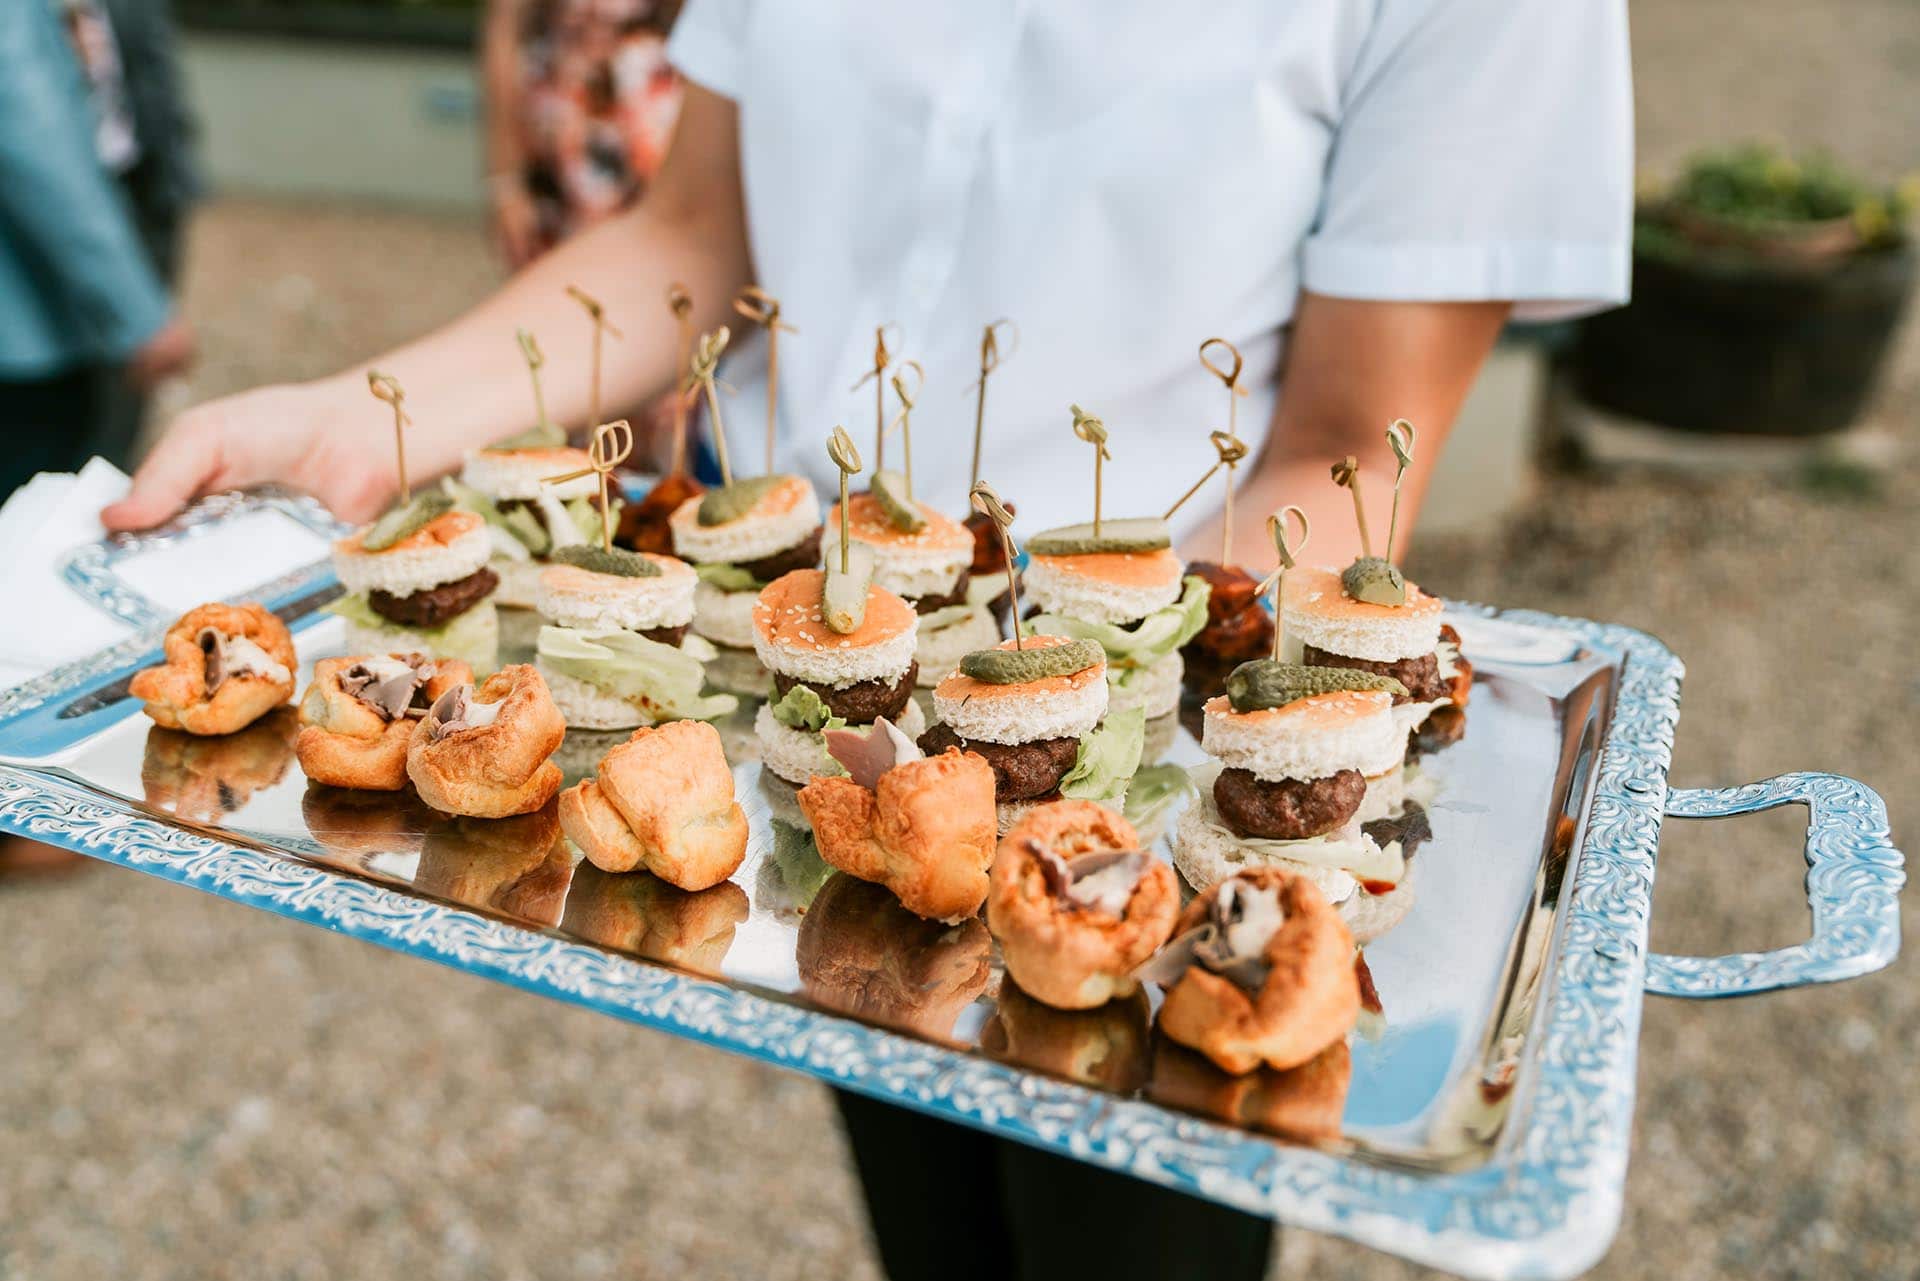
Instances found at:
x=925 y=558
x=226 y=667
x=357 y=716
x=529 y=517
x=1125 y=588
x=417 y=579
x=614 y=655
x=840 y=648
x=1260 y=973
x=1295 y=748
x=1036 y=710
x=486 y=752
x=740 y=538
x=1334 y=627
x=921 y=826
x=1077 y=905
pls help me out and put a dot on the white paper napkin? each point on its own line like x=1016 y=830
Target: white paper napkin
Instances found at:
x=48 y=623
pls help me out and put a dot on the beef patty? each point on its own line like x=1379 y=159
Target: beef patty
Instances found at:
x=435 y=606
x=1021 y=771
x=666 y=635
x=804 y=554
x=1420 y=675
x=956 y=596
x=1289 y=811
x=862 y=703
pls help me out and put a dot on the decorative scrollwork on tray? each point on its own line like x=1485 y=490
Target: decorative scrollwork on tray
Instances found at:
x=1546 y=1204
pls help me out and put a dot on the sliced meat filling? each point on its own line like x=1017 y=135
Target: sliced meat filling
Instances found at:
x=1021 y=771
x=1420 y=675
x=859 y=704
x=804 y=554
x=435 y=606
x=1291 y=811
x=956 y=596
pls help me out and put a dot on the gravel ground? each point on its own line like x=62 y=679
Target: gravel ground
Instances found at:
x=197 y=1090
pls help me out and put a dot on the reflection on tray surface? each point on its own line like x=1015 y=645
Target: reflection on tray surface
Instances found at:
x=1106 y=1047
x=1303 y=1104
x=863 y=954
x=639 y=913
x=515 y=866
x=204 y=779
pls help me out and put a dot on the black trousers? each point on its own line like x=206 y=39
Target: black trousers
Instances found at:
x=48 y=424
x=949 y=1202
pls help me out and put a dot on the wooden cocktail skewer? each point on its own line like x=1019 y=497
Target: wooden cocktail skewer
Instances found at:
x=841 y=449
x=680 y=302
x=990 y=358
x=610 y=446
x=1400 y=438
x=1230 y=451
x=601 y=327
x=903 y=420
x=701 y=375
x=878 y=374
x=1346 y=473
x=1094 y=432
x=762 y=308
x=988 y=504
x=386 y=387
x=1231 y=377
x=530 y=350
x=1275 y=583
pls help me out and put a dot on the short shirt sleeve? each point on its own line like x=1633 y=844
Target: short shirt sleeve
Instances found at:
x=1484 y=152
x=709 y=42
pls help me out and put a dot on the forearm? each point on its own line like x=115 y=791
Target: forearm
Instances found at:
x=1351 y=368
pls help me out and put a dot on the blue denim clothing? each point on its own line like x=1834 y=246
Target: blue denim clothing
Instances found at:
x=76 y=286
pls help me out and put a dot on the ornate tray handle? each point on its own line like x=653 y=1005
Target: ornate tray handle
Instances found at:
x=1854 y=875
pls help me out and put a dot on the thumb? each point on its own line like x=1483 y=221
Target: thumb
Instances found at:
x=181 y=464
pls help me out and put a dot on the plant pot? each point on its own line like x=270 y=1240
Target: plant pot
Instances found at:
x=1821 y=241
x=1725 y=342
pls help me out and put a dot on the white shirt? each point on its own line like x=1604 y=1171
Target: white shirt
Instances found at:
x=1125 y=179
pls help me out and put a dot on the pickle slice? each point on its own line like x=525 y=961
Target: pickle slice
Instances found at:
x=1264 y=684
x=542 y=436
x=619 y=562
x=890 y=491
x=406 y=519
x=1374 y=580
x=843 y=597
x=1018 y=666
x=736 y=500
x=1135 y=534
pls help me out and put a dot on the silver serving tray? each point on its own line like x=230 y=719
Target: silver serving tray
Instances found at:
x=1479 y=1122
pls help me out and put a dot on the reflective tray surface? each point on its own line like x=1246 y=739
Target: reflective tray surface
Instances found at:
x=1483 y=1064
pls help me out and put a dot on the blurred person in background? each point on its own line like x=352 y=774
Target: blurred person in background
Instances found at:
x=581 y=104
x=86 y=323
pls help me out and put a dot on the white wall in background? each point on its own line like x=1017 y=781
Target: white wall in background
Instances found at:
x=303 y=117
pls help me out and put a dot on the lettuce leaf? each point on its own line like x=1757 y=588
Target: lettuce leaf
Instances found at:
x=1158 y=634
x=797 y=858
x=586 y=517
x=470 y=636
x=628 y=665
x=801 y=708
x=518 y=523
x=728 y=578
x=1152 y=790
x=1108 y=758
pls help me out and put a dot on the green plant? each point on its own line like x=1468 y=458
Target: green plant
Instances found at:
x=1758 y=189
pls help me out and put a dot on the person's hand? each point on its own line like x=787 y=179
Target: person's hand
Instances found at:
x=299 y=435
x=516 y=222
x=168 y=352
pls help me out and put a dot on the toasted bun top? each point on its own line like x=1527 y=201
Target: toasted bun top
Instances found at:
x=959 y=687
x=1157 y=569
x=441 y=531
x=788 y=616
x=520 y=473
x=572 y=581
x=868 y=523
x=1318 y=714
x=1317 y=591
x=787 y=496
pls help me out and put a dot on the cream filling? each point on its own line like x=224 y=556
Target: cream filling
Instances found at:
x=244 y=658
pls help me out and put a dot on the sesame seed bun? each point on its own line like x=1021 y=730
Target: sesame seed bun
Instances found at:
x=925 y=563
x=584 y=705
x=792 y=638
x=797 y=754
x=1318 y=612
x=1368 y=916
x=1386 y=795
x=575 y=597
x=1155 y=689
x=1104 y=587
x=444 y=550
x=519 y=582
x=1206 y=853
x=784 y=516
x=939 y=651
x=1009 y=814
x=1307 y=739
x=519 y=473
x=1051 y=707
